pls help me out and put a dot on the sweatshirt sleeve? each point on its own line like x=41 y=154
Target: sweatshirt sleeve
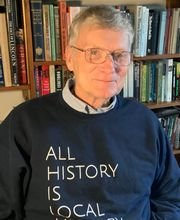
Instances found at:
x=165 y=194
x=14 y=169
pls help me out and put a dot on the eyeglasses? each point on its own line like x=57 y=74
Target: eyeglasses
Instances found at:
x=99 y=55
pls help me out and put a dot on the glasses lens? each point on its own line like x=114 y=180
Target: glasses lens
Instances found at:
x=122 y=58
x=95 y=55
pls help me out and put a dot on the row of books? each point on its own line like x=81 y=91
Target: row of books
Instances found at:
x=50 y=29
x=50 y=78
x=12 y=48
x=157 y=29
x=170 y=121
x=153 y=81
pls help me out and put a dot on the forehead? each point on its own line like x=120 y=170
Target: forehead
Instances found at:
x=94 y=36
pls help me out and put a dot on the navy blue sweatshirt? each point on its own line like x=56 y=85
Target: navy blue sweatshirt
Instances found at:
x=57 y=163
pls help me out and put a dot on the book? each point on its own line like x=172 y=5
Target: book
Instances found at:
x=45 y=80
x=174 y=29
x=143 y=83
x=37 y=30
x=1 y=71
x=136 y=80
x=4 y=44
x=161 y=35
x=177 y=79
x=52 y=32
x=37 y=80
x=58 y=78
x=52 y=78
x=144 y=31
x=159 y=82
x=21 y=57
x=168 y=79
x=11 y=27
x=47 y=31
x=63 y=25
x=155 y=26
x=57 y=33
x=137 y=11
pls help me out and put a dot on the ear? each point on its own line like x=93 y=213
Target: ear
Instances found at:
x=69 y=61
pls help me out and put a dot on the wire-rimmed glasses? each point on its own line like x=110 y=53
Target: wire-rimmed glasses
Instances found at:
x=99 y=55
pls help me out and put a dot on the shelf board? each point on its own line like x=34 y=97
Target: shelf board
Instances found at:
x=12 y=88
x=176 y=152
x=58 y=62
x=162 y=104
x=157 y=57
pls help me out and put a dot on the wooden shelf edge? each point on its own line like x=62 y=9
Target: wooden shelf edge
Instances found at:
x=157 y=57
x=162 y=104
x=58 y=62
x=13 y=88
x=176 y=152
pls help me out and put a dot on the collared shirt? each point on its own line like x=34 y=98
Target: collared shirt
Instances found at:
x=81 y=106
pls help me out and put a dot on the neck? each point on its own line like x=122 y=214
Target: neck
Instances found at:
x=91 y=101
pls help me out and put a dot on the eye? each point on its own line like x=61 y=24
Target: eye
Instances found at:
x=95 y=52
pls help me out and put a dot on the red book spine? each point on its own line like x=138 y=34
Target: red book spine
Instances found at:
x=21 y=57
x=63 y=25
x=45 y=81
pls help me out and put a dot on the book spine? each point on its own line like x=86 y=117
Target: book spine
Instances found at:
x=47 y=34
x=63 y=25
x=168 y=80
x=161 y=36
x=4 y=43
x=37 y=29
x=155 y=32
x=11 y=22
x=58 y=78
x=136 y=80
x=45 y=81
x=21 y=57
x=37 y=81
x=57 y=33
x=149 y=36
x=52 y=32
x=52 y=78
x=1 y=71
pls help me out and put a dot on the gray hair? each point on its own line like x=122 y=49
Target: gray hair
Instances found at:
x=102 y=16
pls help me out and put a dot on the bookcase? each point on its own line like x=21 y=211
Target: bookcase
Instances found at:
x=29 y=89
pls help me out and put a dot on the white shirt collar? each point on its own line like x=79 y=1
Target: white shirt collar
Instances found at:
x=81 y=106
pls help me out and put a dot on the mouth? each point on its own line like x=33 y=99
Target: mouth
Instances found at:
x=105 y=81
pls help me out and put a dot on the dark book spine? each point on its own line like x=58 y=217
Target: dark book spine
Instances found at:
x=11 y=22
x=58 y=78
x=136 y=80
x=154 y=40
x=37 y=29
x=178 y=40
x=1 y=71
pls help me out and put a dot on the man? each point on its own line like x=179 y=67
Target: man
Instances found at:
x=88 y=153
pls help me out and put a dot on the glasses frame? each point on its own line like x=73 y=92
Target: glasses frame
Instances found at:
x=107 y=54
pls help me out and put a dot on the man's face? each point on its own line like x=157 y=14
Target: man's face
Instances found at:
x=97 y=81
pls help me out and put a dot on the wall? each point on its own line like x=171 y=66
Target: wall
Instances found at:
x=9 y=99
